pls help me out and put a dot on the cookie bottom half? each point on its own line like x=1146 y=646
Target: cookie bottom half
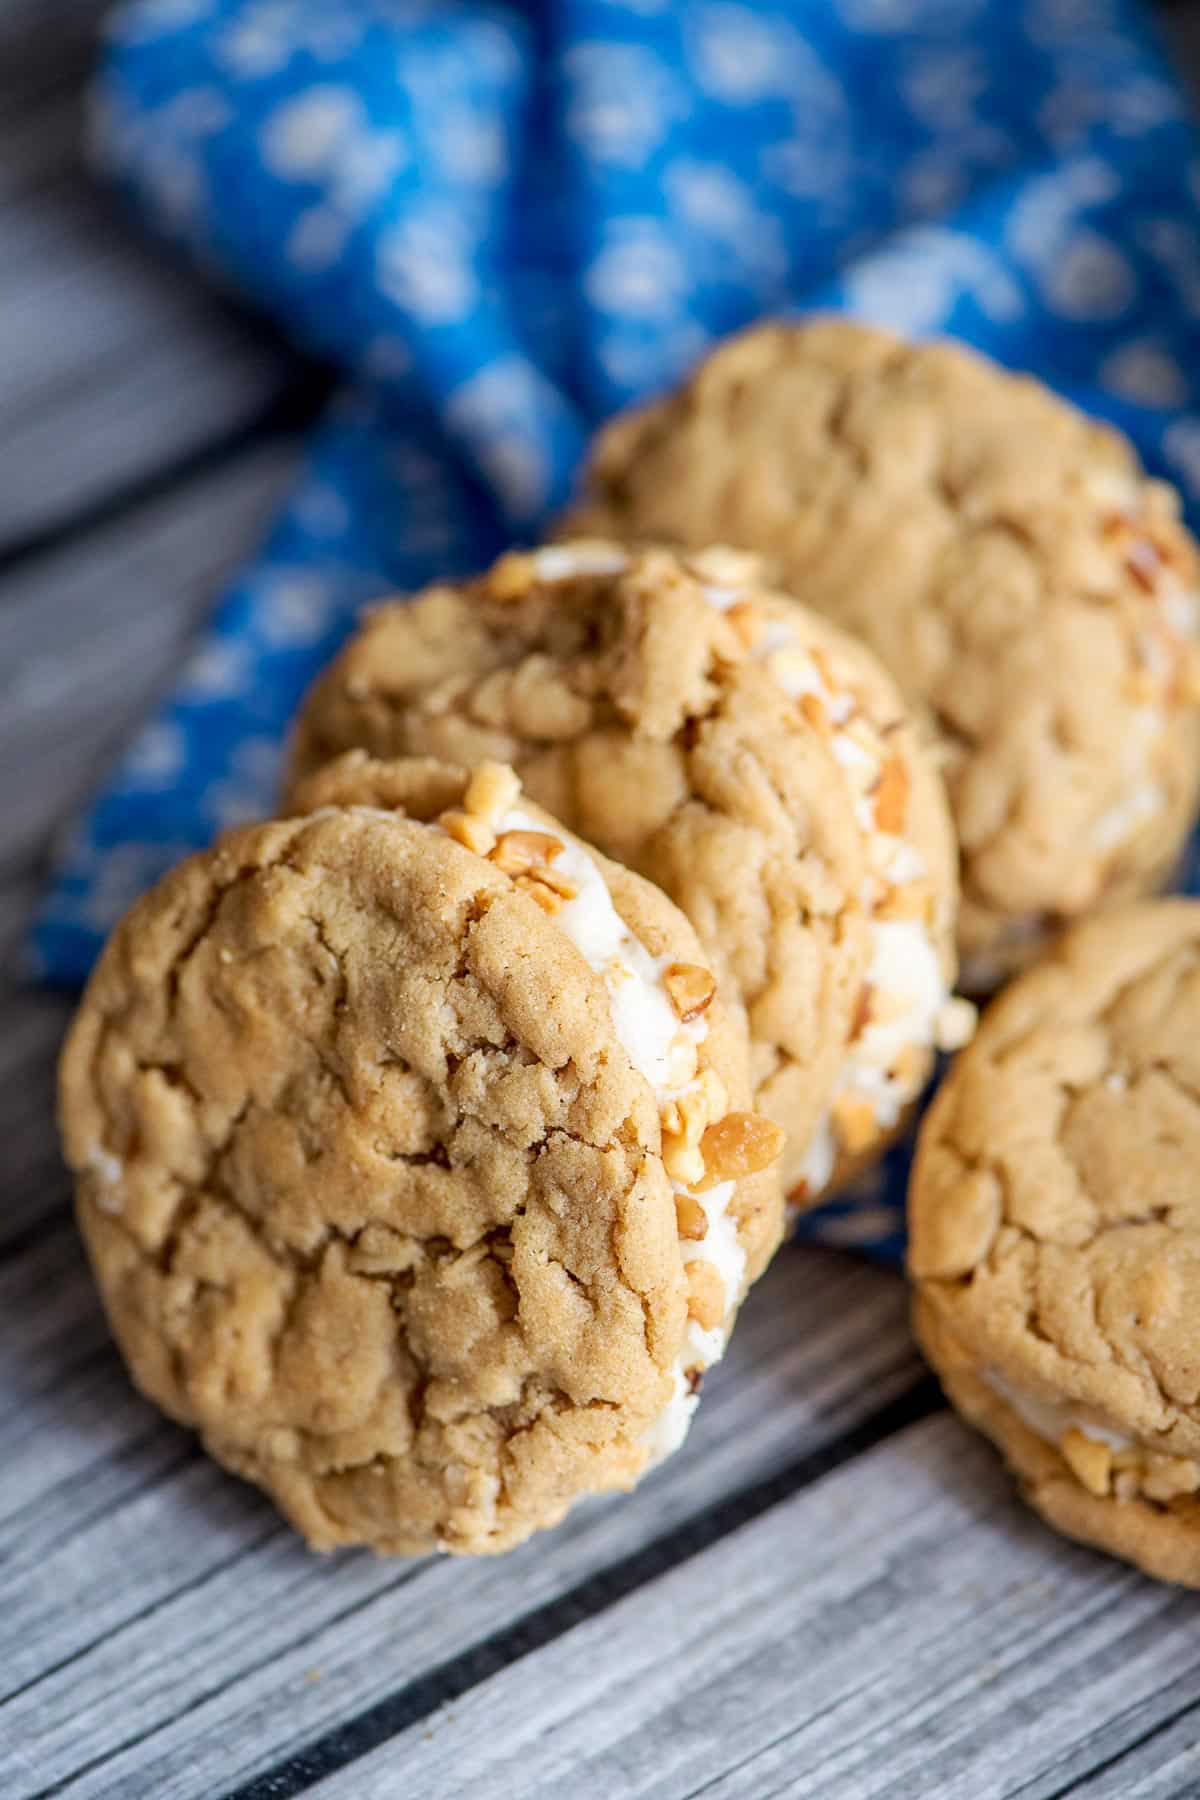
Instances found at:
x=1160 y=1537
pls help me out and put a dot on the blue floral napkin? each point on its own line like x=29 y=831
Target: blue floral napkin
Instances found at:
x=504 y=222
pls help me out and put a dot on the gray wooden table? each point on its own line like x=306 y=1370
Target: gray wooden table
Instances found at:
x=830 y=1592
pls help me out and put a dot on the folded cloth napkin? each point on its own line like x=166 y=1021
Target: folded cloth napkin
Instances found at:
x=503 y=222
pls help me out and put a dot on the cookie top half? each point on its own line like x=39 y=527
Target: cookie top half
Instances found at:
x=1055 y=1232
x=734 y=748
x=1003 y=554
x=410 y=1162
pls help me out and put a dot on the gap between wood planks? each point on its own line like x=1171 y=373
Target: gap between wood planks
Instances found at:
x=375 y=1725
x=823 y=1346
x=283 y=418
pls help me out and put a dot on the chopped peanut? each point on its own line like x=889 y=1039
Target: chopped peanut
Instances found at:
x=826 y=670
x=706 y=1295
x=512 y=576
x=910 y=901
x=691 y=988
x=891 y=797
x=690 y=1218
x=715 y=1096
x=863 y=1010
x=886 y=1005
x=1140 y=687
x=1186 y=688
x=1166 y=1477
x=740 y=1144
x=813 y=709
x=909 y=1067
x=1088 y=1460
x=683 y=1162
x=955 y=1023
x=475 y=834
x=686 y=1118
x=854 y=1121
x=556 y=881
x=747 y=620
x=537 y=846
x=517 y=852
x=731 y=568
x=728 y=644
x=549 y=901
x=492 y=789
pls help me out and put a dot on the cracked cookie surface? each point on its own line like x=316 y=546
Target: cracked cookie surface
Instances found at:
x=734 y=748
x=1055 y=1234
x=376 y=1196
x=1002 y=553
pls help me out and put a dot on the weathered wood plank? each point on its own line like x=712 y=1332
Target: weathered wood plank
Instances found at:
x=891 y=1631
x=205 y=1654
x=117 y=363
x=45 y=45
x=123 y=600
x=1181 y=28
x=34 y=1185
x=1163 y=1766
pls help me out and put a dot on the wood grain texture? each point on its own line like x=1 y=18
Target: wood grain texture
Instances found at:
x=127 y=364
x=165 y=1620
x=127 y=598
x=892 y=1631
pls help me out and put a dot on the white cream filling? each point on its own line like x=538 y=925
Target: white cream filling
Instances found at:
x=105 y=1165
x=1119 y=823
x=109 y=1171
x=1143 y=798
x=905 y=971
x=1181 y=610
x=663 y=1050
x=561 y=561
x=1051 y=1420
x=1178 y=610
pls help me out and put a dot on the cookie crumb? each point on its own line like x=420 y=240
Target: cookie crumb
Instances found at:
x=706 y=1295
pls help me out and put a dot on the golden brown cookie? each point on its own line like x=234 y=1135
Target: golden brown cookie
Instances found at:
x=743 y=754
x=1055 y=1234
x=1002 y=553
x=415 y=1165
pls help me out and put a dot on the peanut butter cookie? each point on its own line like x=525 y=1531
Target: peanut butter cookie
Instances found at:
x=1003 y=554
x=734 y=748
x=1055 y=1234
x=416 y=1165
